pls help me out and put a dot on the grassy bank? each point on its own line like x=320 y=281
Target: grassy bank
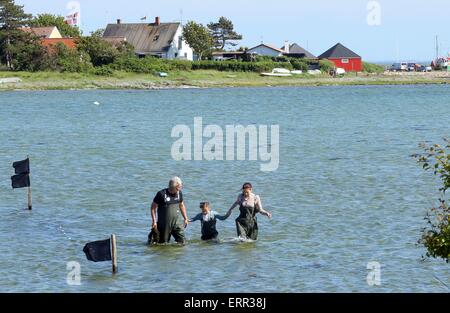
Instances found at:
x=203 y=79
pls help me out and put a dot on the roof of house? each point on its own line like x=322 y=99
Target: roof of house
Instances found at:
x=338 y=51
x=267 y=46
x=296 y=49
x=146 y=38
x=227 y=52
x=41 y=32
x=115 y=40
x=51 y=42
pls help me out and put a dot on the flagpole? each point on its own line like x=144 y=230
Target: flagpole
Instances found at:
x=114 y=253
x=30 y=205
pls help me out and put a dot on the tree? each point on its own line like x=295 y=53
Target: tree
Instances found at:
x=198 y=38
x=70 y=60
x=45 y=20
x=12 y=18
x=100 y=51
x=28 y=54
x=223 y=33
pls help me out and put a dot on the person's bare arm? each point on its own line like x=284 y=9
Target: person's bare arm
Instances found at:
x=235 y=204
x=154 y=207
x=258 y=205
x=184 y=213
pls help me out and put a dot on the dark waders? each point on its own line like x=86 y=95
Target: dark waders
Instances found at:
x=209 y=231
x=246 y=224
x=169 y=221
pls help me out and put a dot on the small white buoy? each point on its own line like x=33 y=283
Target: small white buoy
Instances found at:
x=97 y=103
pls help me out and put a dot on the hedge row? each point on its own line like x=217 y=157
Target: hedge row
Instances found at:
x=239 y=66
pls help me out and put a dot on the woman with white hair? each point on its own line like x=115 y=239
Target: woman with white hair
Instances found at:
x=166 y=206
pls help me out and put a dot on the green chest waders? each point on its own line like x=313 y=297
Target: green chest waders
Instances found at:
x=246 y=224
x=169 y=221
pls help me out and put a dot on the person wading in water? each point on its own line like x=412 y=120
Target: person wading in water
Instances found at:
x=249 y=205
x=168 y=203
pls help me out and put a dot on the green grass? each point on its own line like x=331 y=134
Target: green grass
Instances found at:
x=199 y=78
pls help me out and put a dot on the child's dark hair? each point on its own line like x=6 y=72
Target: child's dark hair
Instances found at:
x=204 y=205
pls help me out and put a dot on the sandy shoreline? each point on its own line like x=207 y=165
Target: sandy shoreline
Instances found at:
x=203 y=79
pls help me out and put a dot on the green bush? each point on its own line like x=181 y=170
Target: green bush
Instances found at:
x=69 y=60
x=372 y=68
x=326 y=66
x=100 y=51
x=149 y=64
x=300 y=64
x=240 y=66
x=436 y=236
x=104 y=70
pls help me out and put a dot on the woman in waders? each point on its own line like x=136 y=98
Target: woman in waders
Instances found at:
x=249 y=205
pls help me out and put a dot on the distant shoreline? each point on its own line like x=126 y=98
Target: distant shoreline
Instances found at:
x=204 y=79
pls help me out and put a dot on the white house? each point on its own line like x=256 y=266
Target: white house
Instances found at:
x=266 y=50
x=163 y=40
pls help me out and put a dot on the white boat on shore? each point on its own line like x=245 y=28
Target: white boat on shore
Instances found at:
x=278 y=72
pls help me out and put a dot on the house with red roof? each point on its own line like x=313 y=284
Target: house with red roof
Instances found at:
x=50 y=37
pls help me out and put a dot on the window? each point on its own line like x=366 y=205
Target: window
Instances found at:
x=180 y=43
x=345 y=61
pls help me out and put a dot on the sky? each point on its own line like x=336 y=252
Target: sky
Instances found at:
x=379 y=31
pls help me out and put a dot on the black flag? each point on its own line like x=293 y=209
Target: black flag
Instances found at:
x=98 y=251
x=20 y=181
x=22 y=167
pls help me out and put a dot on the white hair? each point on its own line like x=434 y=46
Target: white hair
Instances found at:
x=175 y=181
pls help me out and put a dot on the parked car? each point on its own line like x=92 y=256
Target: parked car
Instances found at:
x=424 y=68
x=399 y=67
x=411 y=67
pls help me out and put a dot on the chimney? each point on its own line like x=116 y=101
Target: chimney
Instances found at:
x=119 y=21
x=157 y=21
x=286 y=47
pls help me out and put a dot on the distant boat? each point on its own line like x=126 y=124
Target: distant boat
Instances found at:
x=278 y=72
x=314 y=72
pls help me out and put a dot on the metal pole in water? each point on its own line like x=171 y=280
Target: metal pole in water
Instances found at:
x=30 y=205
x=114 y=254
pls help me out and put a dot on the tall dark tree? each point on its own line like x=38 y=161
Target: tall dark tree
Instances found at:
x=12 y=18
x=223 y=33
x=45 y=20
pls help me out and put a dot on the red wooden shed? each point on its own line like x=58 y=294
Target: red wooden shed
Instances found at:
x=344 y=58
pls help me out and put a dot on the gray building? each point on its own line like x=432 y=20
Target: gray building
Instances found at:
x=158 y=39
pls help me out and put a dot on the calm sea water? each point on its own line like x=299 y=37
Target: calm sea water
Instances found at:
x=346 y=192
